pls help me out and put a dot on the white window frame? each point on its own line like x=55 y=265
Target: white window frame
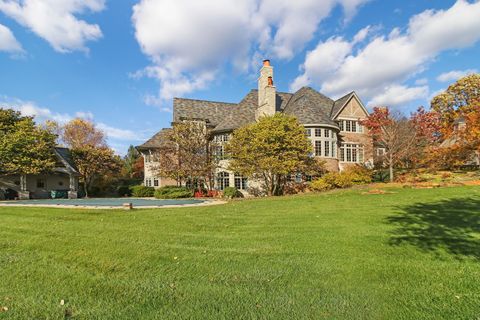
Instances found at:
x=325 y=144
x=352 y=152
x=350 y=125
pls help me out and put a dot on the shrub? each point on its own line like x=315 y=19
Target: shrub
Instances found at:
x=124 y=191
x=2 y=194
x=320 y=185
x=173 y=192
x=232 y=192
x=350 y=176
x=142 y=191
x=358 y=174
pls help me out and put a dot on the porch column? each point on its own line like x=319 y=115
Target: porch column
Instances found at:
x=23 y=194
x=73 y=193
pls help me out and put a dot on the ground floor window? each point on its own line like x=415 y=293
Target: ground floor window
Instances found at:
x=350 y=152
x=240 y=182
x=148 y=182
x=155 y=182
x=223 y=180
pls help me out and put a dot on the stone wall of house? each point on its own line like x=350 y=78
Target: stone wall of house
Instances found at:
x=354 y=111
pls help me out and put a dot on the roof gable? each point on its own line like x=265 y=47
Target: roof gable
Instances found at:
x=341 y=103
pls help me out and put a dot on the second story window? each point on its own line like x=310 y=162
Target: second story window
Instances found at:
x=350 y=126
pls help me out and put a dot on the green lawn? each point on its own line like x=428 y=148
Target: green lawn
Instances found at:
x=411 y=254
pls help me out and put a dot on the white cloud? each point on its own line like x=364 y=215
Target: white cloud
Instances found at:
x=397 y=95
x=56 y=21
x=421 y=81
x=454 y=75
x=385 y=62
x=189 y=42
x=8 y=42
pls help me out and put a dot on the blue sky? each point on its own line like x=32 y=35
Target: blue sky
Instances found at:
x=121 y=62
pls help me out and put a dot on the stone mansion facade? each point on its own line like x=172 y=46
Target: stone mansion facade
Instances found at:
x=333 y=126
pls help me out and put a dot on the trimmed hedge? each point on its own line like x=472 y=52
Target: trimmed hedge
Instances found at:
x=142 y=191
x=173 y=192
x=231 y=192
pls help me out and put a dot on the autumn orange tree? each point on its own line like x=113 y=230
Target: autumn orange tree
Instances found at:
x=90 y=153
x=459 y=111
x=393 y=132
x=187 y=154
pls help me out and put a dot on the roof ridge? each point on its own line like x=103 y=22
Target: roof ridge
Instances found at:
x=200 y=100
x=344 y=96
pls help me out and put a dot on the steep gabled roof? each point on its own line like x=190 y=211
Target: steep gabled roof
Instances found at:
x=65 y=157
x=156 y=141
x=338 y=105
x=310 y=107
x=211 y=111
x=241 y=114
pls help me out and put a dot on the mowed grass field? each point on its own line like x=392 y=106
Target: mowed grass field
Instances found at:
x=409 y=254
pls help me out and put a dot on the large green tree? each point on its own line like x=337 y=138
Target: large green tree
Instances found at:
x=25 y=148
x=269 y=150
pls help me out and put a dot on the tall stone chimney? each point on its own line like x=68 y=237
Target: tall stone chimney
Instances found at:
x=266 y=92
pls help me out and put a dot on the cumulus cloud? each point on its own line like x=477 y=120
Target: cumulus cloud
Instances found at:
x=397 y=95
x=56 y=21
x=386 y=61
x=188 y=42
x=8 y=42
x=454 y=75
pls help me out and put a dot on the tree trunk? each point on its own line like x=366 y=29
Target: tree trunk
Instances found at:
x=85 y=189
x=390 y=166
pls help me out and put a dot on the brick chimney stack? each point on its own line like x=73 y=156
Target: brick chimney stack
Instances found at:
x=266 y=92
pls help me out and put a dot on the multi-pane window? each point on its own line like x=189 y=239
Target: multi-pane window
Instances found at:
x=221 y=138
x=308 y=132
x=148 y=182
x=155 y=182
x=240 y=182
x=318 y=148
x=324 y=143
x=220 y=141
x=350 y=126
x=327 y=148
x=223 y=180
x=350 y=152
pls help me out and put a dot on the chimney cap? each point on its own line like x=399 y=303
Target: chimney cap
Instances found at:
x=266 y=62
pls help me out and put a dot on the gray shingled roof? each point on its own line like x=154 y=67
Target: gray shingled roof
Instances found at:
x=156 y=141
x=340 y=103
x=64 y=155
x=310 y=107
x=212 y=111
x=307 y=104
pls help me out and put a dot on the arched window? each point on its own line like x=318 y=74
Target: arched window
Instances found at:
x=223 y=180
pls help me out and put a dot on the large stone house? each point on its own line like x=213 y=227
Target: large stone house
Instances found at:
x=64 y=177
x=333 y=126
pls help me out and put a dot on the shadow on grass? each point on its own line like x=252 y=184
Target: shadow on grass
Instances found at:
x=451 y=225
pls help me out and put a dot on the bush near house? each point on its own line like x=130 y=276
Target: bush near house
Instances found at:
x=142 y=191
x=353 y=175
x=232 y=192
x=173 y=192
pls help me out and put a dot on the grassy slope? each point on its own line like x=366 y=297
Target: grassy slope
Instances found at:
x=342 y=255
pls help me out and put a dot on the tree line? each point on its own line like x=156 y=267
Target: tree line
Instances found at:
x=27 y=148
